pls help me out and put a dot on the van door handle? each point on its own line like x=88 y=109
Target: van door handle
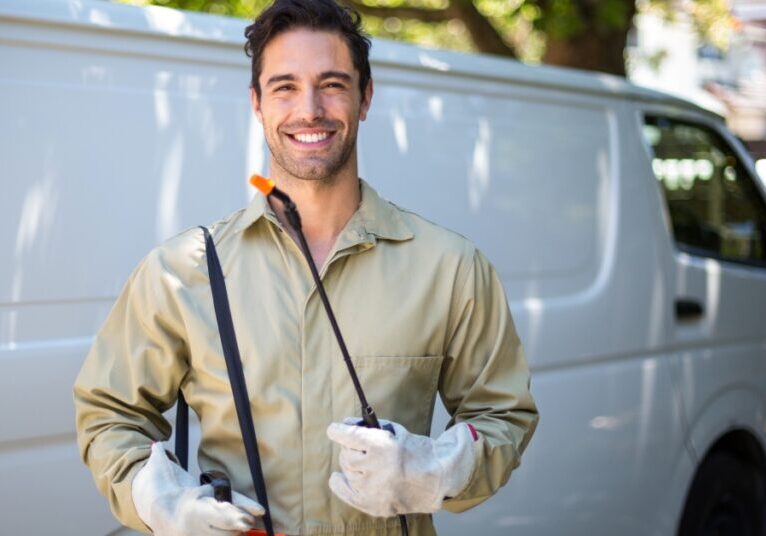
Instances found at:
x=688 y=309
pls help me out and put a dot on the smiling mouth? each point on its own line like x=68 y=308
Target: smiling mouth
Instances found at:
x=313 y=138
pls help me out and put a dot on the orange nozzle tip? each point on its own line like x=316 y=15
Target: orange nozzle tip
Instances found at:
x=262 y=183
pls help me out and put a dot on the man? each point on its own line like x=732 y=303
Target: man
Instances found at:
x=420 y=308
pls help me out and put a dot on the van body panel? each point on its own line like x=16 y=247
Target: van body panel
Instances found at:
x=130 y=124
x=495 y=137
x=81 y=175
x=49 y=490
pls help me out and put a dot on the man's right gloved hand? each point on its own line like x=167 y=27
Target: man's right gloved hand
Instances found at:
x=171 y=503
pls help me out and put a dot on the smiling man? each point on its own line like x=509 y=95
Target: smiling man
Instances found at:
x=422 y=311
x=310 y=96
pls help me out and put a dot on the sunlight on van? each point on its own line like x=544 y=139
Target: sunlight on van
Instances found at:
x=478 y=177
x=609 y=422
x=534 y=308
x=426 y=60
x=168 y=219
x=647 y=401
x=168 y=21
x=100 y=18
x=606 y=218
x=161 y=100
x=436 y=107
x=37 y=214
x=400 y=131
x=713 y=290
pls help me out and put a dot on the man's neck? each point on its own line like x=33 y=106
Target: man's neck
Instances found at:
x=325 y=206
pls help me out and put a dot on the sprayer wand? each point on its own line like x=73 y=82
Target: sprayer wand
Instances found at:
x=268 y=188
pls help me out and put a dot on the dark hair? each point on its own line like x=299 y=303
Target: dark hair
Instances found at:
x=325 y=15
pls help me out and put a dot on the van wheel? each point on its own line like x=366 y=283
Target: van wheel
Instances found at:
x=727 y=497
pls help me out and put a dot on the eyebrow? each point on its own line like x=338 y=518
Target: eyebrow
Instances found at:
x=335 y=74
x=325 y=75
x=280 y=78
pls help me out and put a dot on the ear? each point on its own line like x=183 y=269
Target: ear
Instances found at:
x=256 y=104
x=366 y=101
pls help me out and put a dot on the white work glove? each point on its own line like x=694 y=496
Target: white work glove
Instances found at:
x=170 y=501
x=385 y=475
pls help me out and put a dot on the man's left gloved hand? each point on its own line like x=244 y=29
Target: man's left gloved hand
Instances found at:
x=387 y=474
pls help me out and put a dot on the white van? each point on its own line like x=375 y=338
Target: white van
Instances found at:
x=628 y=227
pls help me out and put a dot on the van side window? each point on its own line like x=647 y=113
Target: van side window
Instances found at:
x=715 y=207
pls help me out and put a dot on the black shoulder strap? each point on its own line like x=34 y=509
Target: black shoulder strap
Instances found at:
x=182 y=431
x=236 y=379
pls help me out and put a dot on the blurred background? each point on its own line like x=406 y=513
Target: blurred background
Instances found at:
x=712 y=52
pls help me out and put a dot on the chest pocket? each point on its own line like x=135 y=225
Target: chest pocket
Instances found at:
x=401 y=388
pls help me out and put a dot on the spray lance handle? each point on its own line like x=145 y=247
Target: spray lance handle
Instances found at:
x=222 y=493
x=220 y=482
x=370 y=420
x=388 y=427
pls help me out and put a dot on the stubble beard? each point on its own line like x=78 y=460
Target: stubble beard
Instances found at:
x=312 y=168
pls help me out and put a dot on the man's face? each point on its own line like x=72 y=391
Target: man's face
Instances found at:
x=310 y=104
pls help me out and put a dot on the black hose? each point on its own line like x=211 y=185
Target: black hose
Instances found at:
x=368 y=414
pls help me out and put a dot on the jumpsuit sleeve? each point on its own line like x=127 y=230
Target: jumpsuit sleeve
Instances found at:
x=485 y=381
x=129 y=378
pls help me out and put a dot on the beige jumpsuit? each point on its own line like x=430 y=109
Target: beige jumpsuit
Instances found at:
x=421 y=309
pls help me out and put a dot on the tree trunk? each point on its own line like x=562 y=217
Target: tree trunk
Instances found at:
x=485 y=37
x=593 y=49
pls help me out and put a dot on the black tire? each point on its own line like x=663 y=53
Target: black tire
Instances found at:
x=727 y=498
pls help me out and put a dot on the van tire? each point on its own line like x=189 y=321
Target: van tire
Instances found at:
x=727 y=497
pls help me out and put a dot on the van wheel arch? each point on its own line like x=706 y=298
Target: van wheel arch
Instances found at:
x=728 y=491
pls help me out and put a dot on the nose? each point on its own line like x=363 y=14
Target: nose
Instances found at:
x=310 y=106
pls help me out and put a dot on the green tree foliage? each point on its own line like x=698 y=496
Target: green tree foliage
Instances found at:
x=246 y=9
x=588 y=34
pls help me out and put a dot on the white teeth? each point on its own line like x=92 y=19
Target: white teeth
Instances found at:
x=312 y=138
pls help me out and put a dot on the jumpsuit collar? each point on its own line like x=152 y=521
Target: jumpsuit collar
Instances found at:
x=375 y=218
